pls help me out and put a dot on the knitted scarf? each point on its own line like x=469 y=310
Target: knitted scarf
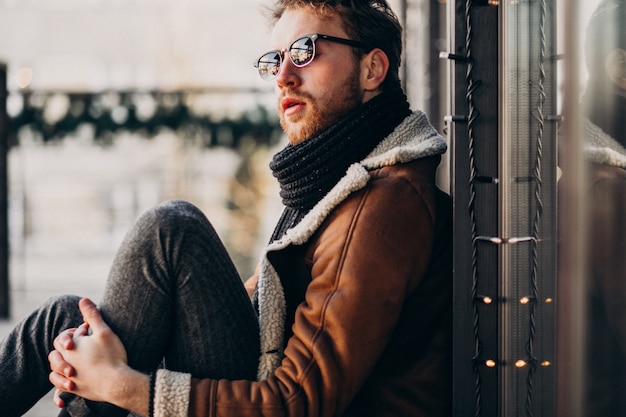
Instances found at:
x=308 y=170
x=606 y=109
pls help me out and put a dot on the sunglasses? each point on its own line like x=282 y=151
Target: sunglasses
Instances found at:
x=301 y=53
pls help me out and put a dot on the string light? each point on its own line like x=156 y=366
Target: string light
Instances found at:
x=520 y=363
x=485 y=299
x=490 y=363
x=24 y=77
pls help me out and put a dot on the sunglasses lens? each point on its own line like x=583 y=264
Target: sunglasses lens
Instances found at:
x=269 y=65
x=302 y=51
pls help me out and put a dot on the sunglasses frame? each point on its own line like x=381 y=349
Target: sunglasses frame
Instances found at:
x=313 y=37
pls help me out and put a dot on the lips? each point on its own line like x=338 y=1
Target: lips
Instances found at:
x=290 y=105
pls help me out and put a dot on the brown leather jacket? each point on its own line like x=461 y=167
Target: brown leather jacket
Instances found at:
x=368 y=307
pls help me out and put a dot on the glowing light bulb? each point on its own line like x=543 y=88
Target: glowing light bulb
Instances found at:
x=24 y=77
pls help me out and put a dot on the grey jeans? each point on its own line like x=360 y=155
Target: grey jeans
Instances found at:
x=174 y=298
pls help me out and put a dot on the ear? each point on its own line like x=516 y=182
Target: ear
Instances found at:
x=615 y=65
x=374 y=68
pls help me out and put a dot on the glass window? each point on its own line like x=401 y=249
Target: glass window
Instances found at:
x=592 y=278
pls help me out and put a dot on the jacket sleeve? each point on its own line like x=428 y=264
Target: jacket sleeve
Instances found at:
x=368 y=256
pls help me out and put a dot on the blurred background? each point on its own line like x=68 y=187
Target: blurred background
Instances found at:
x=117 y=105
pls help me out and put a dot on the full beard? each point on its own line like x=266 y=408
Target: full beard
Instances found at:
x=322 y=113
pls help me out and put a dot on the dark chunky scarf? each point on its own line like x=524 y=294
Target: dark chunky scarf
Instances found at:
x=306 y=172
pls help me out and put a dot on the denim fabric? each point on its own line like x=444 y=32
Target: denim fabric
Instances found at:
x=173 y=297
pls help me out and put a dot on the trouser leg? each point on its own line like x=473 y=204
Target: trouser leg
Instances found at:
x=24 y=352
x=174 y=295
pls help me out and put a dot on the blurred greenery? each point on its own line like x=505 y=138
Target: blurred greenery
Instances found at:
x=52 y=116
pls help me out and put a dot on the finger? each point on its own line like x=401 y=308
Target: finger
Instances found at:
x=60 y=382
x=92 y=315
x=59 y=365
x=57 y=400
x=64 y=341
x=82 y=330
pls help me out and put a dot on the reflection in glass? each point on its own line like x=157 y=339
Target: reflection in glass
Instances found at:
x=604 y=137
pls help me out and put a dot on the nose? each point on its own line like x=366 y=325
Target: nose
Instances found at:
x=288 y=75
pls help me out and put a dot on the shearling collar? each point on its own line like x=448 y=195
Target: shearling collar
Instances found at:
x=601 y=148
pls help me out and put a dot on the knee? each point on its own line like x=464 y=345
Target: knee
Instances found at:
x=61 y=311
x=177 y=211
x=167 y=220
x=62 y=302
x=177 y=207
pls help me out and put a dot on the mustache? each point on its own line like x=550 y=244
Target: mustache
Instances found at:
x=297 y=95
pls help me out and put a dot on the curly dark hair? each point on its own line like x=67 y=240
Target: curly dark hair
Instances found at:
x=370 y=21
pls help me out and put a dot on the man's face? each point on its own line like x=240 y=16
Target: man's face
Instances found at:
x=313 y=97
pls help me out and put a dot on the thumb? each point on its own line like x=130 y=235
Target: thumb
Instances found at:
x=91 y=315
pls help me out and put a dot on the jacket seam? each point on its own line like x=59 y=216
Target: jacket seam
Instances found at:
x=336 y=280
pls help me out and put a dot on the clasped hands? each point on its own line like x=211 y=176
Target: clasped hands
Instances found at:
x=88 y=360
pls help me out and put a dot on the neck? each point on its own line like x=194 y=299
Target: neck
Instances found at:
x=370 y=94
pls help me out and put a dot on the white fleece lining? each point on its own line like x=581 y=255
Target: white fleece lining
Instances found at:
x=171 y=393
x=602 y=148
x=412 y=139
x=271 y=318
